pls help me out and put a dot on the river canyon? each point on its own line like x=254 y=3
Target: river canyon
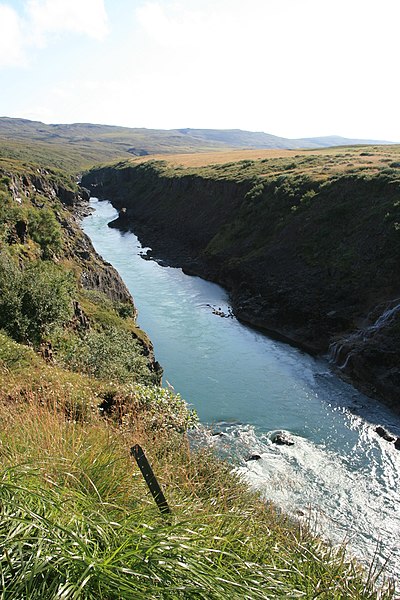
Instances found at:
x=340 y=476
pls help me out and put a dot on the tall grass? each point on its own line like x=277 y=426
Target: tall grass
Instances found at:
x=77 y=521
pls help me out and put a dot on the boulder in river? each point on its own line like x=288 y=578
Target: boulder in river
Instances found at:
x=384 y=434
x=253 y=457
x=281 y=439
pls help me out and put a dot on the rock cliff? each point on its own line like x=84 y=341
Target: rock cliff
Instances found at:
x=311 y=260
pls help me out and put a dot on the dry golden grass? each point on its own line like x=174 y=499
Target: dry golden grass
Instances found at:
x=218 y=157
x=355 y=156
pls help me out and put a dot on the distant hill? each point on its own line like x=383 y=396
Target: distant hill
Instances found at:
x=336 y=140
x=78 y=145
x=236 y=138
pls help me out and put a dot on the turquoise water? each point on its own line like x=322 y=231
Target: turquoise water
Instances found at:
x=339 y=474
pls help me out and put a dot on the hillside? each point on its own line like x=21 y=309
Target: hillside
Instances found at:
x=307 y=245
x=79 y=145
x=236 y=138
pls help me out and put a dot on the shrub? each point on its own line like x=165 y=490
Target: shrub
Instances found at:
x=33 y=302
x=45 y=230
x=111 y=354
x=47 y=292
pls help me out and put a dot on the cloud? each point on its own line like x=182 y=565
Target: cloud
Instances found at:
x=42 y=20
x=46 y=17
x=11 y=38
x=174 y=25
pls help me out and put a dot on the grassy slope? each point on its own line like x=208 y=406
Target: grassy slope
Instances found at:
x=74 y=522
x=78 y=522
x=78 y=146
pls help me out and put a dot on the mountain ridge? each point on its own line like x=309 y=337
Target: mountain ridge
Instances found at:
x=141 y=141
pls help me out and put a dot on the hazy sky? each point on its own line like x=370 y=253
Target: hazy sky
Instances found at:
x=293 y=68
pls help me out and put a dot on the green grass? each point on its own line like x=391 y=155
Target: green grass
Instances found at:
x=77 y=521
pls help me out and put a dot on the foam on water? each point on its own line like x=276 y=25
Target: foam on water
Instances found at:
x=345 y=503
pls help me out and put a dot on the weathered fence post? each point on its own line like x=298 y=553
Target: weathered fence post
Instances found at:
x=150 y=478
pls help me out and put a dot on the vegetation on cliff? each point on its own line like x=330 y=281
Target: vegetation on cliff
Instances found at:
x=78 y=387
x=308 y=245
x=47 y=276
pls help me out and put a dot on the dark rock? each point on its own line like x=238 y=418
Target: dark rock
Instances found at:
x=384 y=434
x=21 y=229
x=397 y=444
x=80 y=320
x=67 y=197
x=281 y=439
x=161 y=262
x=253 y=457
x=85 y=194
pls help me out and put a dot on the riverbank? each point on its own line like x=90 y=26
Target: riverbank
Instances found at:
x=307 y=248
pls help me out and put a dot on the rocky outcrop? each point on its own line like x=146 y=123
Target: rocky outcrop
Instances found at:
x=95 y=272
x=252 y=457
x=307 y=272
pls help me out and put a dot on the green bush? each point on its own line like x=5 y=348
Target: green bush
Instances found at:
x=10 y=213
x=111 y=354
x=33 y=301
x=45 y=230
x=46 y=301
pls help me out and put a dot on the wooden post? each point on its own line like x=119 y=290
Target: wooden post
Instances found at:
x=150 y=478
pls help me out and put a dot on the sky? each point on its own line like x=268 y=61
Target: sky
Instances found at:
x=292 y=68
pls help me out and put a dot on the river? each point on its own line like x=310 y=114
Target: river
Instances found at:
x=339 y=475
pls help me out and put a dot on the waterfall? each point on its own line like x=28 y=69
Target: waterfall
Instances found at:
x=344 y=349
x=386 y=317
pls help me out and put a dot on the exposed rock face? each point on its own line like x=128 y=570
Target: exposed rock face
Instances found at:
x=95 y=272
x=311 y=277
